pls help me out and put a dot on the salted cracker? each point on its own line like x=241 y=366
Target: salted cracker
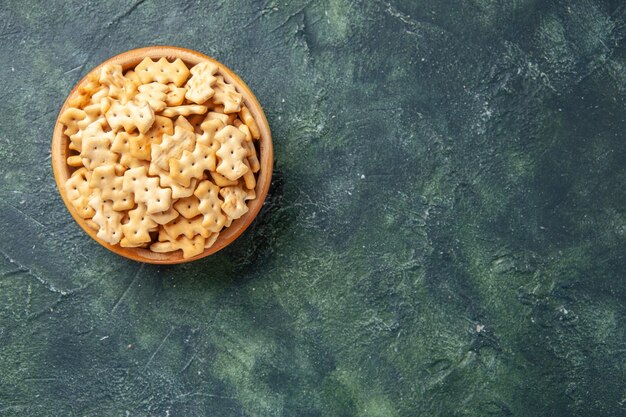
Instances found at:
x=213 y=115
x=102 y=98
x=248 y=178
x=112 y=77
x=121 y=146
x=162 y=71
x=146 y=190
x=74 y=161
x=190 y=247
x=178 y=191
x=78 y=192
x=227 y=95
x=164 y=216
x=231 y=153
x=250 y=194
x=140 y=146
x=183 y=122
x=246 y=116
x=162 y=125
x=184 y=110
x=192 y=164
x=188 y=206
x=94 y=114
x=175 y=95
x=82 y=96
x=130 y=116
x=93 y=123
x=153 y=94
x=96 y=149
x=199 y=86
x=70 y=118
x=137 y=229
x=253 y=161
x=234 y=204
x=210 y=241
x=196 y=121
x=210 y=206
x=246 y=131
x=221 y=180
x=187 y=227
x=164 y=247
x=131 y=86
x=108 y=220
x=110 y=186
x=209 y=130
x=171 y=146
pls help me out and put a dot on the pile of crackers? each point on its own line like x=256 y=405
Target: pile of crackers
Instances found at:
x=164 y=156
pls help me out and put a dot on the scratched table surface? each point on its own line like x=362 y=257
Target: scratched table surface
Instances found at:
x=445 y=232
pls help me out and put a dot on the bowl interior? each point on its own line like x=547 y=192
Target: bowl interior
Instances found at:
x=60 y=152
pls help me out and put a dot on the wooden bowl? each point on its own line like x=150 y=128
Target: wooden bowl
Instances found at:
x=129 y=59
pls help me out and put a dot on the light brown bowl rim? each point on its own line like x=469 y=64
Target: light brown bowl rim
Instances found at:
x=129 y=59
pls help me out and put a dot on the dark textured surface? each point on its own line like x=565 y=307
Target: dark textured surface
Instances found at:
x=445 y=234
